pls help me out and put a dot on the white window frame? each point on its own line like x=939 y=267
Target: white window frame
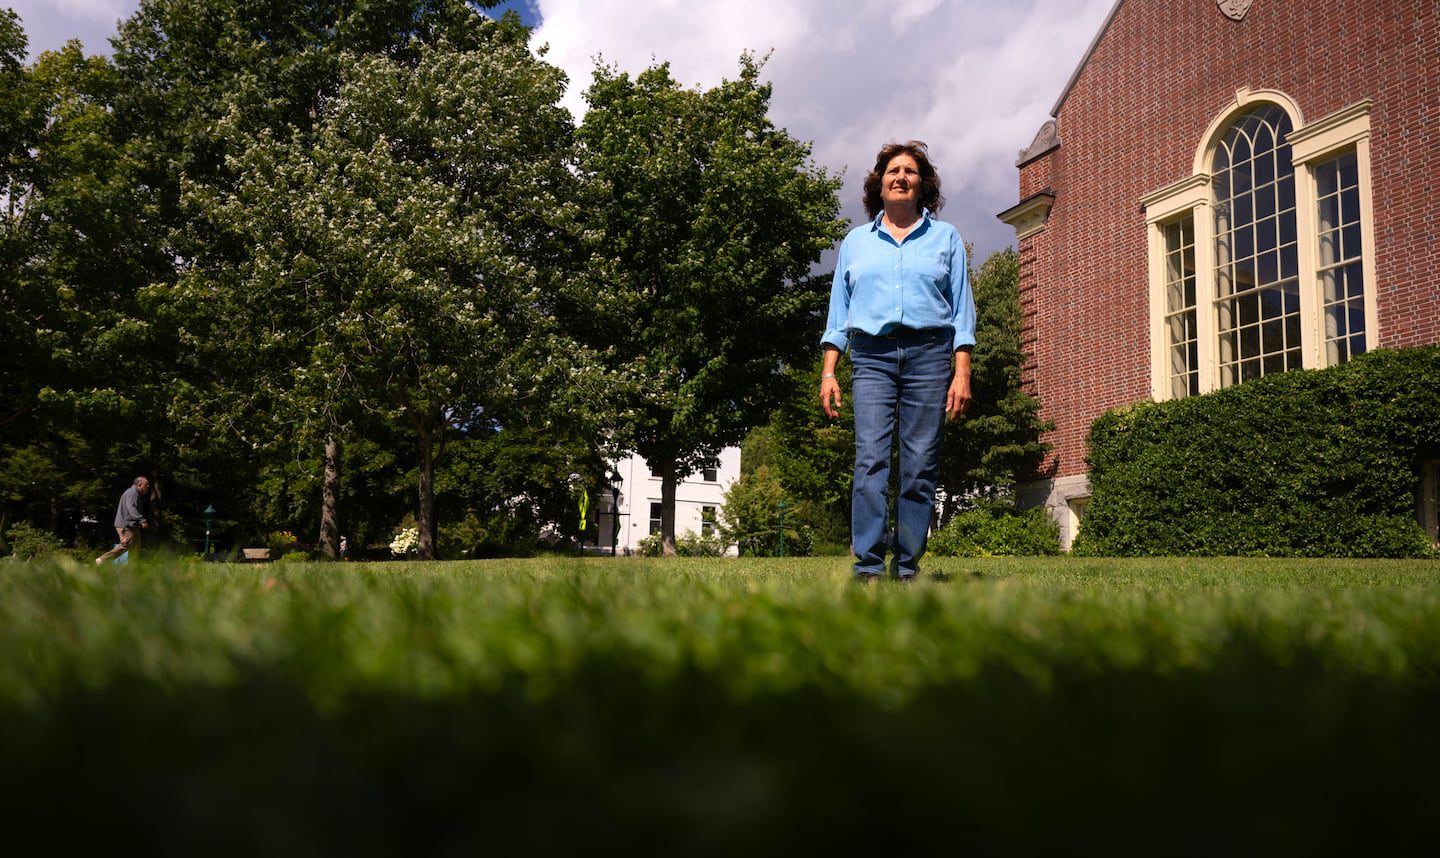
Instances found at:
x=1310 y=145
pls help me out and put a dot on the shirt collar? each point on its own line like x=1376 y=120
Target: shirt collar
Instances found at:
x=924 y=219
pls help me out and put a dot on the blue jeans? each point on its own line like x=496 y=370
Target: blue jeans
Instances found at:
x=897 y=382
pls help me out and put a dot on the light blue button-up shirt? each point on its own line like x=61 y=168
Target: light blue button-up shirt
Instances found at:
x=922 y=282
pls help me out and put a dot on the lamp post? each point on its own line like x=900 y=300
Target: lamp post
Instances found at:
x=209 y=515
x=615 y=498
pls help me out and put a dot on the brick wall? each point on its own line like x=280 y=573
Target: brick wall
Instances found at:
x=1133 y=122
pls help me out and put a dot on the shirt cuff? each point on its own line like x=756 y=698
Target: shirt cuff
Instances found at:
x=838 y=339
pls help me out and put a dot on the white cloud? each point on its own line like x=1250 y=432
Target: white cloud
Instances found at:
x=974 y=79
x=104 y=12
x=82 y=9
x=49 y=24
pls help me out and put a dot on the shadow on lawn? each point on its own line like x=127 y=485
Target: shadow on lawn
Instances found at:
x=1266 y=761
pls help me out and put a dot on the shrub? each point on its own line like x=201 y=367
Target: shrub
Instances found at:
x=688 y=544
x=282 y=543
x=997 y=528
x=31 y=543
x=752 y=516
x=1304 y=463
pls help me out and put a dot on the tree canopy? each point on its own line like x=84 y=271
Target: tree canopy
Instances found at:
x=348 y=262
x=389 y=261
x=706 y=219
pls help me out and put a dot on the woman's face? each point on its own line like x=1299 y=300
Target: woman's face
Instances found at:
x=901 y=181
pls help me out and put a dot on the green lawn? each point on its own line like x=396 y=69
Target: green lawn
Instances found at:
x=1016 y=706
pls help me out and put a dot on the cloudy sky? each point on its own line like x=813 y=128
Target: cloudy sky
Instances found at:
x=973 y=78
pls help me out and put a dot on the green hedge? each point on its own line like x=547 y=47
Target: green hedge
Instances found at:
x=1304 y=463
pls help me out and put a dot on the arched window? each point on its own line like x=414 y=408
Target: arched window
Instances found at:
x=1257 y=266
x=1261 y=260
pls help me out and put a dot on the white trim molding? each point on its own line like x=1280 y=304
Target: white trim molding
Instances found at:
x=1030 y=215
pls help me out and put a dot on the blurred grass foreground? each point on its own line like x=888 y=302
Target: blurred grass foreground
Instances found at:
x=557 y=706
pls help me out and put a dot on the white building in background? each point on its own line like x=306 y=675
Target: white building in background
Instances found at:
x=698 y=499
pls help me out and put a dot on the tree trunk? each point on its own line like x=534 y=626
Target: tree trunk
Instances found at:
x=330 y=501
x=426 y=523
x=667 y=507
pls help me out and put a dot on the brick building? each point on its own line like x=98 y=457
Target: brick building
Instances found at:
x=1227 y=189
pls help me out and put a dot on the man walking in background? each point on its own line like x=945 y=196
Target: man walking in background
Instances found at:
x=131 y=518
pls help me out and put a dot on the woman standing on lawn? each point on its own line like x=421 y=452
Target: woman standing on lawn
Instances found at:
x=901 y=303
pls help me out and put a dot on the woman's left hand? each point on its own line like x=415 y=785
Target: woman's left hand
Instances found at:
x=957 y=398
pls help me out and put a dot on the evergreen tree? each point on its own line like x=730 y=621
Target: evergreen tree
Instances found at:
x=998 y=440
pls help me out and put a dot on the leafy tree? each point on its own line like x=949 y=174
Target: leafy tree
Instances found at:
x=512 y=480
x=706 y=220
x=18 y=118
x=19 y=300
x=758 y=449
x=187 y=64
x=390 y=260
x=74 y=386
x=201 y=79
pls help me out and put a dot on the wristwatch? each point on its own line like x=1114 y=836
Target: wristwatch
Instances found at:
x=827 y=375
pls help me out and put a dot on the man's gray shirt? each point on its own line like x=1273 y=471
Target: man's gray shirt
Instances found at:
x=131 y=512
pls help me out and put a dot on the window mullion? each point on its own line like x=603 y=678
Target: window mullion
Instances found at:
x=1205 y=295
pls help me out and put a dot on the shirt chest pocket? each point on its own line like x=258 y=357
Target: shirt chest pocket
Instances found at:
x=930 y=268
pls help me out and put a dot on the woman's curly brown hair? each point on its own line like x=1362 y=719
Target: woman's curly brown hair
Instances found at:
x=930 y=197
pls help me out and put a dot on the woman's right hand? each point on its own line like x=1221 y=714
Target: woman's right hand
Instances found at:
x=829 y=387
x=830 y=397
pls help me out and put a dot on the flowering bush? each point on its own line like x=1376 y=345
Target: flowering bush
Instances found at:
x=406 y=542
x=281 y=543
